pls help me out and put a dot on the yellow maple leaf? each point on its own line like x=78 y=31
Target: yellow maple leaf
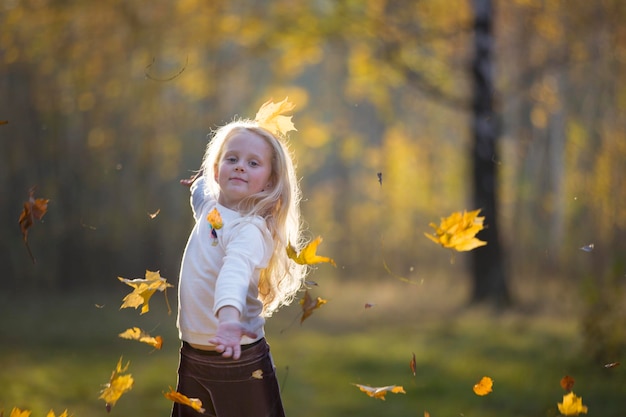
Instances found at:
x=143 y=290
x=380 y=392
x=458 y=231
x=270 y=116
x=51 y=414
x=177 y=397
x=16 y=412
x=572 y=405
x=135 y=333
x=308 y=255
x=484 y=386
x=215 y=219
x=118 y=384
x=308 y=305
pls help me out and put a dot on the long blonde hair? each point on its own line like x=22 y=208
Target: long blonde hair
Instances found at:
x=278 y=205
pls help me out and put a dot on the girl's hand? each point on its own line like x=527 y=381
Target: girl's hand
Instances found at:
x=227 y=339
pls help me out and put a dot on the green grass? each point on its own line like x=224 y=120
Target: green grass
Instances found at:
x=56 y=352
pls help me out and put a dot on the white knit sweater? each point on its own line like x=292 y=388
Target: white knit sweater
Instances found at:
x=221 y=272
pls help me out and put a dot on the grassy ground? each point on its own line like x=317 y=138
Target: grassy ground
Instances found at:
x=57 y=351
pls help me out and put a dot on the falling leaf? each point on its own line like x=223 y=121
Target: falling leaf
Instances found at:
x=572 y=405
x=484 y=386
x=308 y=305
x=426 y=414
x=380 y=392
x=413 y=365
x=16 y=412
x=611 y=365
x=51 y=414
x=177 y=397
x=215 y=219
x=270 y=116
x=369 y=305
x=34 y=209
x=136 y=333
x=567 y=382
x=587 y=248
x=380 y=178
x=153 y=215
x=117 y=385
x=458 y=231
x=143 y=290
x=308 y=255
x=258 y=374
x=4 y=122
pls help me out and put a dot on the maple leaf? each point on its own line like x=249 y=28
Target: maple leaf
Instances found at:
x=270 y=116
x=118 y=385
x=308 y=255
x=380 y=392
x=135 y=333
x=458 y=231
x=51 y=414
x=484 y=386
x=16 y=412
x=34 y=209
x=143 y=290
x=567 y=382
x=177 y=397
x=258 y=374
x=572 y=405
x=413 y=365
x=215 y=219
x=308 y=305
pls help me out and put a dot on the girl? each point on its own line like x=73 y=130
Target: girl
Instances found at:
x=235 y=271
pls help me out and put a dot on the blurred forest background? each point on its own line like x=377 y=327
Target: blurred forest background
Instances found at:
x=109 y=104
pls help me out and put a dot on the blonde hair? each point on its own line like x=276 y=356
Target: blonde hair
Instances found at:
x=279 y=206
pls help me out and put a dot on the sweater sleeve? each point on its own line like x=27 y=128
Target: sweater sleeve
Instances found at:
x=198 y=197
x=247 y=250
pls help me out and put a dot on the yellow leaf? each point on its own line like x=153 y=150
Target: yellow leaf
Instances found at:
x=136 y=333
x=258 y=374
x=117 y=385
x=484 y=386
x=308 y=255
x=572 y=405
x=16 y=412
x=270 y=116
x=215 y=219
x=458 y=231
x=143 y=290
x=51 y=414
x=380 y=392
x=177 y=397
x=308 y=305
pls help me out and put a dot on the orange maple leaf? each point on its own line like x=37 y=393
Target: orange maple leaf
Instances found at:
x=308 y=305
x=34 y=209
x=177 y=397
x=135 y=333
x=308 y=255
x=380 y=392
x=270 y=116
x=143 y=290
x=458 y=231
x=118 y=385
x=567 y=383
x=484 y=386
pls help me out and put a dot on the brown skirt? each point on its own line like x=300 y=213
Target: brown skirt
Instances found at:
x=246 y=387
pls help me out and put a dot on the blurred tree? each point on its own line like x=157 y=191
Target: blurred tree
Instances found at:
x=488 y=271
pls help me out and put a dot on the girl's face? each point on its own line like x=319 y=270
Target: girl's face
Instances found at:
x=244 y=168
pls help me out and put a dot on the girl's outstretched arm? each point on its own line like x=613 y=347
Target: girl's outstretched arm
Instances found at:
x=188 y=181
x=227 y=339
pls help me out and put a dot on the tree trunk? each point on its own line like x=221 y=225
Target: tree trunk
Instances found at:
x=488 y=271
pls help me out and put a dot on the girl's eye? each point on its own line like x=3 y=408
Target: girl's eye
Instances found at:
x=231 y=159
x=254 y=163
